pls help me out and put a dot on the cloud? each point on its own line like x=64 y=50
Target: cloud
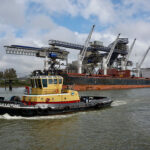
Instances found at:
x=57 y=6
x=33 y=36
x=138 y=29
x=12 y=12
x=103 y=9
x=137 y=5
x=23 y=64
x=32 y=23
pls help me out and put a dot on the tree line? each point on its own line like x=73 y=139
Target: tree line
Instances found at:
x=8 y=74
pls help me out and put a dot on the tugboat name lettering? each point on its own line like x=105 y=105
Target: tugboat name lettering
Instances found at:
x=8 y=105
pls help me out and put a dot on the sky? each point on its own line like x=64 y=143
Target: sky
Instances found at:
x=34 y=22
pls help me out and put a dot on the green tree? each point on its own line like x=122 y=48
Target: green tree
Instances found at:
x=1 y=74
x=10 y=73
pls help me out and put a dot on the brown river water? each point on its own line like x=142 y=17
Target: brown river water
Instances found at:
x=123 y=126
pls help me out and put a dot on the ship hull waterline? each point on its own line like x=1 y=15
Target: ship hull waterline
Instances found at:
x=103 y=87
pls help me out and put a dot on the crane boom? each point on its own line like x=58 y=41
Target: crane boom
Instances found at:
x=129 y=53
x=83 y=52
x=138 y=67
x=107 y=59
x=34 y=51
x=22 y=50
x=140 y=64
x=90 y=48
x=112 y=49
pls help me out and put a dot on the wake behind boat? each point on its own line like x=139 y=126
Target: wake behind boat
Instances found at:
x=46 y=97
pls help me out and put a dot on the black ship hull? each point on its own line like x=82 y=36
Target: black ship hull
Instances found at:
x=86 y=103
x=83 y=82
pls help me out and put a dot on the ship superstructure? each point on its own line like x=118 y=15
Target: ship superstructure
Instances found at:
x=47 y=89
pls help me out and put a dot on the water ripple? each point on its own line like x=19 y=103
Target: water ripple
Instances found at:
x=8 y=117
x=118 y=103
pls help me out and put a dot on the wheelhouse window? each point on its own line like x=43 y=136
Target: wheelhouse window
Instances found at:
x=44 y=81
x=55 y=81
x=39 y=83
x=50 y=81
x=60 y=81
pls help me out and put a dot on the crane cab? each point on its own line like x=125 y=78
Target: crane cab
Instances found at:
x=46 y=85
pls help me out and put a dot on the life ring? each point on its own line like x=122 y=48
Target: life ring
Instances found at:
x=47 y=100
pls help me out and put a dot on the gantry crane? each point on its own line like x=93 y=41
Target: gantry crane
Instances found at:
x=94 y=48
x=51 y=54
x=89 y=55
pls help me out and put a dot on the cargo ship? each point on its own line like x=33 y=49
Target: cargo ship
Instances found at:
x=112 y=66
x=83 y=82
x=97 y=66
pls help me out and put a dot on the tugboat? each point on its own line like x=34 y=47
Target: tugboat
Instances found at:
x=46 y=97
